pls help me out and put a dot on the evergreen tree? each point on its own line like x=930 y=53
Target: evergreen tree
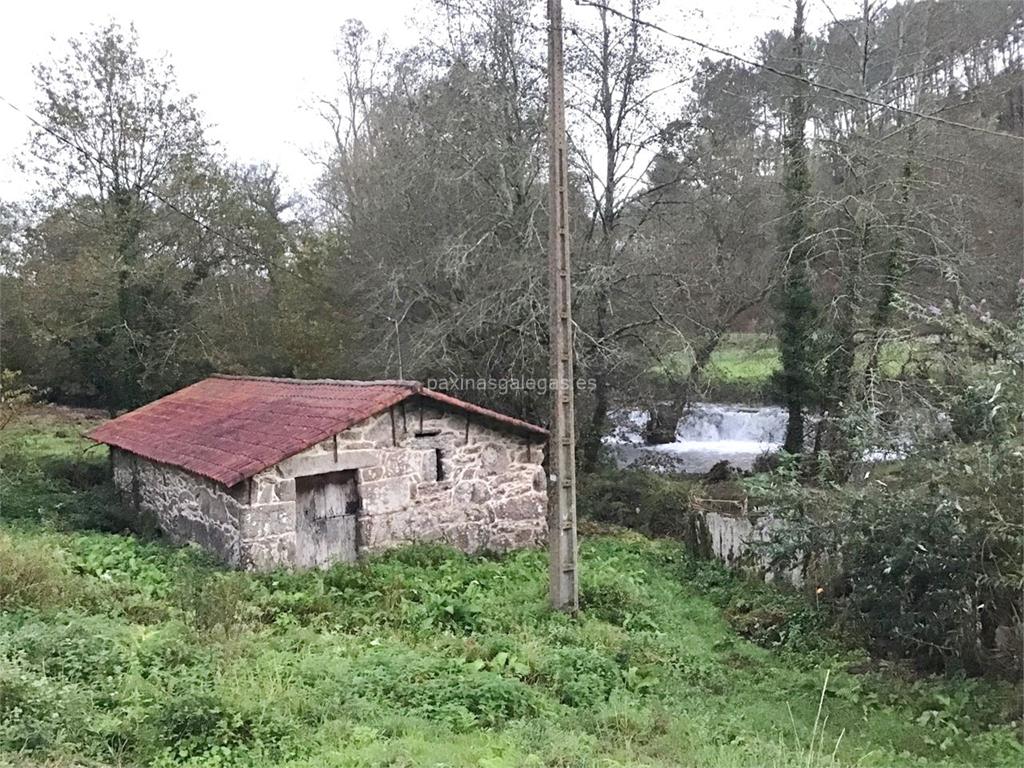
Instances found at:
x=796 y=304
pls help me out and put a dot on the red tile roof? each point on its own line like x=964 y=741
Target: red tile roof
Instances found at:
x=228 y=428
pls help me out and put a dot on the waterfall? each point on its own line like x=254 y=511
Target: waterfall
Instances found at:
x=712 y=432
x=705 y=435
x=627 y=427
x=708 y=422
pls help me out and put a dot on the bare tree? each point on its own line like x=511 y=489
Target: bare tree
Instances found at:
x=614 y=81
x=440 y=207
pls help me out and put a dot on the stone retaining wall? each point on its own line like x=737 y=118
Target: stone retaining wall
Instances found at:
x=729 y=531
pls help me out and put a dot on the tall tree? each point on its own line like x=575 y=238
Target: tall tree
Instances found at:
x=437 y=196
x=614 y=68
x=713 y=246
x=796 y=302
x=114 y=130
x=850 y=140
x=171 y=262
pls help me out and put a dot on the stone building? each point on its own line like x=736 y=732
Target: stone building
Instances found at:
x=284 y=472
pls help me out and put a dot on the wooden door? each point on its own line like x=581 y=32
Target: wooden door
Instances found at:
x=327 y=509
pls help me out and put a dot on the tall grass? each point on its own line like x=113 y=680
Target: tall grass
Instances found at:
x=33 y=575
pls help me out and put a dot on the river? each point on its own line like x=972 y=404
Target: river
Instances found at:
x=707 y=433
x=712 y=432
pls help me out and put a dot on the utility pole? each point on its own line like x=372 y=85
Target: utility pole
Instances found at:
x=562 y=444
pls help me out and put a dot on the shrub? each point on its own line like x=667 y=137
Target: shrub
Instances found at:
x=971 y=415
x=645 y=502
x=170 y=646
x=125 y=563
x=68 y=493
x=37 y=713
x=284 y=597
x=216 y=602
x=196 y=726
x=580 y=677
x=458 y=614
x=348 y=578
x=760 y=612
x=71 y=647
x=15 y=396
x=615 y=595
x=422 y=555
x=928 y=555
x=627 y=720
x=453 y=691
x=78 y=473
x=929 y=562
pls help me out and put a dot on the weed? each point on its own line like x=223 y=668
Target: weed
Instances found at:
x=33 y=573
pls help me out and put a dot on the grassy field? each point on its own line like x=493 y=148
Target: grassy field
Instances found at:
x=117 y=651
x=740 y=368
x=744 y=364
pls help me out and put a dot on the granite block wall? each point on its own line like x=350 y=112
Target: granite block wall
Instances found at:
x=425 y=473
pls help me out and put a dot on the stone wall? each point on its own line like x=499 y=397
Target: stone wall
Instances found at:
x=730 y=532
x=186 y=507
x=491 y=493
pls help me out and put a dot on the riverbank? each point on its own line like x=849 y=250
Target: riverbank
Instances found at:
x=741 y=369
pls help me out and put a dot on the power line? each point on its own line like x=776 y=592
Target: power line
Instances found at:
x=799 y=78
x=142 y=188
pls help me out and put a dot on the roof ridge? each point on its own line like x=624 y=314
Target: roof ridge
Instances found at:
x=407 y=383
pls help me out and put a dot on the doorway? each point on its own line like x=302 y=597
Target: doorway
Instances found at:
x=327 y=519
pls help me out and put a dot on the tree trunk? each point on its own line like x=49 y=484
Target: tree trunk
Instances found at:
x=664 y=417
x=591 y=452
x=123 y=372
x=831 y=435
x=895 y=269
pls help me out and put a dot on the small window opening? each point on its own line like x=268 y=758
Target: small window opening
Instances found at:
x=428 y=433
x=439 y=462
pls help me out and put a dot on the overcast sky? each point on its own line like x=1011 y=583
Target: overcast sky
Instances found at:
x=256 y=66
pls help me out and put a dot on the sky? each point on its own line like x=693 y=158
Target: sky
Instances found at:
x=257 y=67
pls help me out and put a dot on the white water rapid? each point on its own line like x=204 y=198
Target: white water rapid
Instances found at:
x=707 y=433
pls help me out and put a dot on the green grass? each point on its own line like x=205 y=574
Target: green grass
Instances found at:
x=747 y=357
x=743 y=365
x=117 y=651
